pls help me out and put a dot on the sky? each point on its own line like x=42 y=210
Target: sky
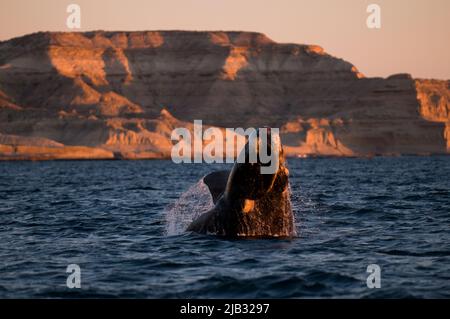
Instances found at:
x=414 y=36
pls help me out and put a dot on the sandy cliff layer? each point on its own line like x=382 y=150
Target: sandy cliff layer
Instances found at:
x=120 y=94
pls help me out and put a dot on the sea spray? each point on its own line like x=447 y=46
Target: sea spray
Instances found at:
x=191 y=204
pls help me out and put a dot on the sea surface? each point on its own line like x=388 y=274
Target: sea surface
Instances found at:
x=123 y=223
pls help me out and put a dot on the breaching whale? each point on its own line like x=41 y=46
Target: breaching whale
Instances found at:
x=247 y=202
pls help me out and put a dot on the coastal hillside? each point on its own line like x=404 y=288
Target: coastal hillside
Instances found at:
x=105 y=95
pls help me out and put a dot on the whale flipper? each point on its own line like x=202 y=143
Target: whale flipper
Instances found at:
x=217 y=182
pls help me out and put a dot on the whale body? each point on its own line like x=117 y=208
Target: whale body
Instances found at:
x=247 y=202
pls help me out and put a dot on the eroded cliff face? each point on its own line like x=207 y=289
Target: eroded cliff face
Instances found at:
x=120 y=94
x=434 y=97
x=434 y=103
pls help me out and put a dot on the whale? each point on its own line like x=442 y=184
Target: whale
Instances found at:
x=247 y=202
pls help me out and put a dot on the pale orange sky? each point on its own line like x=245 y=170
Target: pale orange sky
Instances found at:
x=414 y=35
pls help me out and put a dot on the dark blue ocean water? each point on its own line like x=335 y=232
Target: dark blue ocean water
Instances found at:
x=112 y=218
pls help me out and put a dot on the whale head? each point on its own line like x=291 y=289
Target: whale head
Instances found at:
x=259 y=166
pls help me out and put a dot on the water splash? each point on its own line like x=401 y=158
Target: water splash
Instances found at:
x=196 y=201
x=191 y=204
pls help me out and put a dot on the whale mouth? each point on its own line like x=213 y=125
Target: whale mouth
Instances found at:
x=262 y=164
x=264 y=148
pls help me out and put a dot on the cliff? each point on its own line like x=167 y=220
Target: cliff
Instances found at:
x=120 y=94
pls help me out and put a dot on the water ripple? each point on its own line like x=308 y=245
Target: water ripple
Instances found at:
x=123 y=223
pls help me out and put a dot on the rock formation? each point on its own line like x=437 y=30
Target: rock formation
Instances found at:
x=120 y=94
